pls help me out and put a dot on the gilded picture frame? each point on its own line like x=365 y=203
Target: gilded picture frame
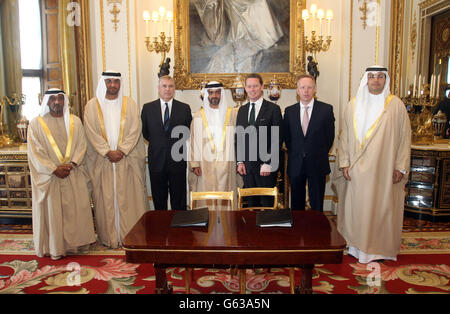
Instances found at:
x=185 y=79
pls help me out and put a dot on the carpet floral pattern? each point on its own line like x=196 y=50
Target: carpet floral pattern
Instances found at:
x=113 y=275
x=423 y=266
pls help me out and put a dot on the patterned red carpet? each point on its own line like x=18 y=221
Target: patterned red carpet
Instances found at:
x=94 y=274
x=422 y=267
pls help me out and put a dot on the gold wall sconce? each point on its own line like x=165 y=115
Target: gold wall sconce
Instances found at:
x=158 y=35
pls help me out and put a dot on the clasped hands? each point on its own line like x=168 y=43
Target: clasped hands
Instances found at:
x=264 y=172
x=63 y=171
x=397 y=176
x=115 y=156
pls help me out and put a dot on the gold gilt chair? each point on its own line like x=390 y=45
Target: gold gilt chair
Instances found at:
x=202 y=196
x=242 y=193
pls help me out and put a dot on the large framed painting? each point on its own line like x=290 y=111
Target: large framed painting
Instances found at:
x=219 y=39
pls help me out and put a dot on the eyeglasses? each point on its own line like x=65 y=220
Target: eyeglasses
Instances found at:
x=378 y=76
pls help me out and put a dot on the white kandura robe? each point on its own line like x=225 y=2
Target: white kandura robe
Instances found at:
x=119 y=190
x=219 y=166
x=62 y=215
x=370 y=208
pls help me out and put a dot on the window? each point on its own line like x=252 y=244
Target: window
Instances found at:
x=448 y=70
x=31 y=54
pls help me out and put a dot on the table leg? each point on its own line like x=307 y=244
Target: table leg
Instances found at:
x=161 y=280
x=306 y=280
x=242 y=281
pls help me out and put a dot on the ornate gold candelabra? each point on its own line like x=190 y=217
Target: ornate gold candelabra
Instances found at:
x=161 y=40
x=317 y=44
x=313 y=20
x=161 y=44
x=420 y=107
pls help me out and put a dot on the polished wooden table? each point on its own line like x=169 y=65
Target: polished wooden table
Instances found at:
x=232 y=238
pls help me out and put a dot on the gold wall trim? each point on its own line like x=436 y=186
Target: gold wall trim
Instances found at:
x=351 y=52
x=396 y=44
x=428 y=3
x=377 y=42
x=129 y=47
x=102 y=21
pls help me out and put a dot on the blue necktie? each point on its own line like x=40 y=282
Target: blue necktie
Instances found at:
x=166 y=118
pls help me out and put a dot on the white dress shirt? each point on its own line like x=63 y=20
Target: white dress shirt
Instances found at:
x=163 y=108
x=258 y=105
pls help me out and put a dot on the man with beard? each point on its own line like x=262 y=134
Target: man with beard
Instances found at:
x=116 y=160
x=212 y=162
x=62 y=217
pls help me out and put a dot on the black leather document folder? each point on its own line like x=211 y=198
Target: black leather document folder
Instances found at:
x=191 y=218
x=274 y=218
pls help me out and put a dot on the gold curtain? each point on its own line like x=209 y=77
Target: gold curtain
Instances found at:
x=11 y=57
x=2 y=68
x=76 y=55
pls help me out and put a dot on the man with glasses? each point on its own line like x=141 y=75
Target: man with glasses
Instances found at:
x=372 y=167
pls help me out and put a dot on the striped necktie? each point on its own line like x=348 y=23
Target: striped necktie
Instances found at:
x=166 y=118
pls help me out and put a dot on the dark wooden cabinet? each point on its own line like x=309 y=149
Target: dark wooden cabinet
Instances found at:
x=428 y=189
x=15 y=183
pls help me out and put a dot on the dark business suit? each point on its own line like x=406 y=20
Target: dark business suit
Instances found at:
x=308 y=155
x=166 y=174
x=249 y=151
